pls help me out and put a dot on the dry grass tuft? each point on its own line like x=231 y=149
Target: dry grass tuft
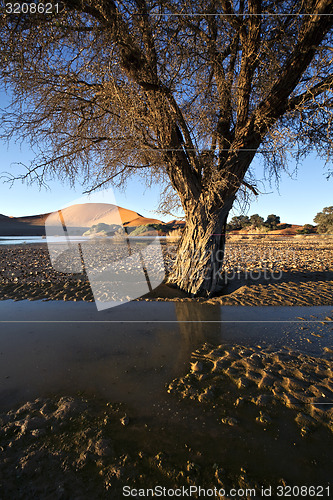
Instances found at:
x=174 y=235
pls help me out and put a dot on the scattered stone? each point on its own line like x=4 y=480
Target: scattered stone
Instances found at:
x=38 y=432
x=101 y=448
x=196 y=367
x=305 y=431
x=29 y=274
x=239 y=401
x=207 y=395
x=219 y=475
x=264 y=419
x=229 y=421
x=192 y=467
x=124 y=420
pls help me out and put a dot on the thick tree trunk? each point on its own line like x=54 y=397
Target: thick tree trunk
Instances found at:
x=197 y=268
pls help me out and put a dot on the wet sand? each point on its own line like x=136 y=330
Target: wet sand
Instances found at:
x=264 y=376
x=79 y=448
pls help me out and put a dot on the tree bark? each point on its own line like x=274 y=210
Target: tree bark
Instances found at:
x=200 y=254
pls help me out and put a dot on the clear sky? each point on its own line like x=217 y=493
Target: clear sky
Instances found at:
x=298 y=200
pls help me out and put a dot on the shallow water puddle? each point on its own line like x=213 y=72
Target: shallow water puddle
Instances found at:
x=128 y=353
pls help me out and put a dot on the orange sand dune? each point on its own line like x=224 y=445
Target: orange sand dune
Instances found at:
x=292 y=230
x=178 y=222
x=89 y=214
x=79 y=216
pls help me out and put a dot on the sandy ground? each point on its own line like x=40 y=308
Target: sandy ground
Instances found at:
x=239 y=416
x=286 y=271
x=263 y=376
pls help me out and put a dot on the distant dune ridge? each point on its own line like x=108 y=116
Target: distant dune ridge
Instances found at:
x=281 y=229
x=22 y=226
x=83 y=216
x=291 y=230
x=76 y=216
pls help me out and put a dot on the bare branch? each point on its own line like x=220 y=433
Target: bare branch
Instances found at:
x=311 y=93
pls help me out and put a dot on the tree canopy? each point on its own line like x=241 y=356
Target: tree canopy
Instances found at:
x=324 y=220
x=256 y=220
x=272 y=221
x=111 y=87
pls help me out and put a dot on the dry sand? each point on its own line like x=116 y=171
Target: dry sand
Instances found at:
x=295 y=271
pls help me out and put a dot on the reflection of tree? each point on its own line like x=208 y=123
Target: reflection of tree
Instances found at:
x=195 y=322
x=169 y=344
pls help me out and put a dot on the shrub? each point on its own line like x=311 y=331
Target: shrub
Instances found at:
x=256 y=220
x=272 y=221
x=174 y=235
x=306 y=229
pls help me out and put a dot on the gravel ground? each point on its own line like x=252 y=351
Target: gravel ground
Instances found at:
x=258 y=272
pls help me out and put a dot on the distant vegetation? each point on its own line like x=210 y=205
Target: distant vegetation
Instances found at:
x=102 y=229
x=255 y=221
x=306 y=229
x=139 y=230
x=324 y=220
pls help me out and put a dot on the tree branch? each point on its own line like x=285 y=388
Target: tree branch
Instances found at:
x=313 y=33
x=97 y=186
x=325 y=84
x=251 y=188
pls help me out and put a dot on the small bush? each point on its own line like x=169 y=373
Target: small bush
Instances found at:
x=174 y=235
x=306 y=229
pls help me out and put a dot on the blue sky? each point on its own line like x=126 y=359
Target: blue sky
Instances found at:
x=298 y=200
